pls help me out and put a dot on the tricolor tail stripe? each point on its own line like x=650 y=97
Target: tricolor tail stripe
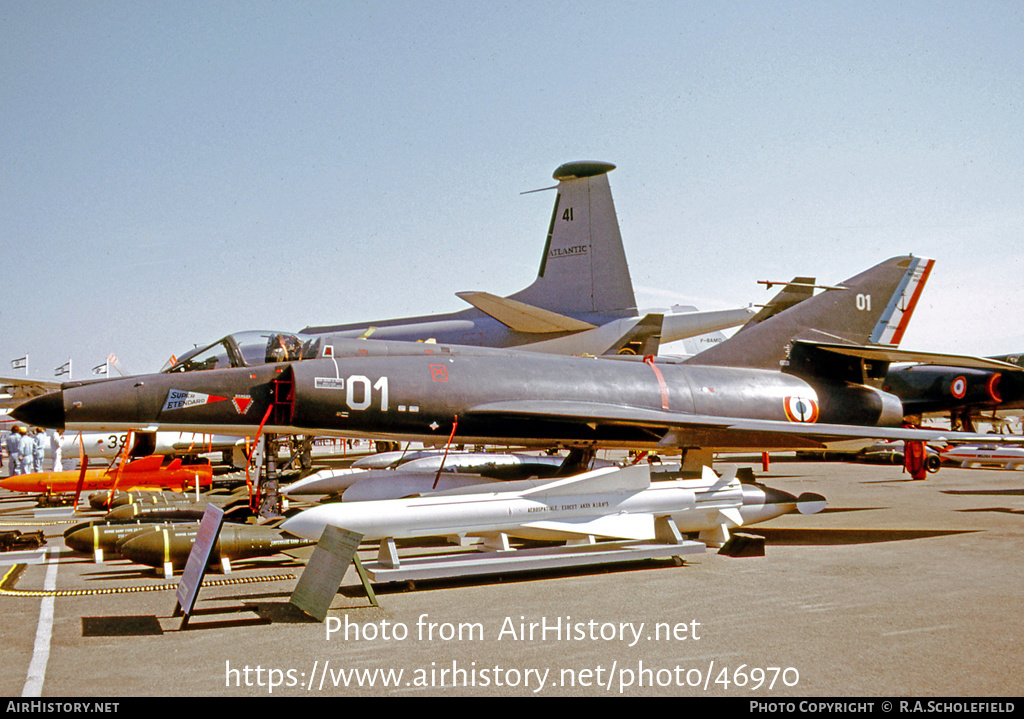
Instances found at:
x=894 y=320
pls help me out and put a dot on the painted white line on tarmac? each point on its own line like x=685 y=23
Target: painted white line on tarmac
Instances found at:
x=41 y=650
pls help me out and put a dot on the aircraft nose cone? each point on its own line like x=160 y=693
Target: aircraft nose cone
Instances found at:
x=45 y=411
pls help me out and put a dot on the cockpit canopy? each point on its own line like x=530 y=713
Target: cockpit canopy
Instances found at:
x=246 y=349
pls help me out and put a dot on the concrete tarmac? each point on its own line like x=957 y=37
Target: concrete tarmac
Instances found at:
x=900 y=588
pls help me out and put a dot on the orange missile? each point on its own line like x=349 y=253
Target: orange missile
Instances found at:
x=144 y=473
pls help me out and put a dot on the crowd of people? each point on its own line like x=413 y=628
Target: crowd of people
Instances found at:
x=26 y=449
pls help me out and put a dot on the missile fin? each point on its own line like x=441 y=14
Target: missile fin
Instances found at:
x=731 y=516
x=712 y=477
x=606 y=479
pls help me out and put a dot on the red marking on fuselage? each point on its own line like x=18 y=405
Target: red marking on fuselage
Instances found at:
x=649 y=361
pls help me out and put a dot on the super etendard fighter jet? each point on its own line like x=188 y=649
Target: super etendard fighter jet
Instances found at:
x=582 y=301
x=796 y=380
x=964 y=394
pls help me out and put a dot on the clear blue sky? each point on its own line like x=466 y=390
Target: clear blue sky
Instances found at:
x=174 y=171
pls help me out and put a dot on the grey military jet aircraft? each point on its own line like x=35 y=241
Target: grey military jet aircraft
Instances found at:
x=582 y=301
x=798 y=379
x=966 y=395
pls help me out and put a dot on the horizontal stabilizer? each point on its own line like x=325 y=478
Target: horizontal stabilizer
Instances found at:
x=522 y=317
x=618 y=526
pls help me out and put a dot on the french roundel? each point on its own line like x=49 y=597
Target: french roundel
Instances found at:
x=801 y=409
x=959 y=387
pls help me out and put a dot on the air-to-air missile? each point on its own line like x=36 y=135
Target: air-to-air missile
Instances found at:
x=972 y=456
x=773 y=385
x=168 y=547
x=425 y=470
x=387 y=484
x=146 y=472
x=433 y=474
x=612 y=502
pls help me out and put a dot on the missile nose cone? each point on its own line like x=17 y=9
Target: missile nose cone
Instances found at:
x=810 y=503
x=44 y=411
x=307 y=524
x=80 y=540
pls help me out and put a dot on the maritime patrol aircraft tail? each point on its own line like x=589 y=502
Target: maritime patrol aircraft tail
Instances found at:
x=583 y=281
x=583 y=268
x=872 y=308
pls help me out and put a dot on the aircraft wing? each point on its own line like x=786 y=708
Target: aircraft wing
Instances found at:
x=679 y=429
x=894 y=354
x=522 y=317
x=20 y=389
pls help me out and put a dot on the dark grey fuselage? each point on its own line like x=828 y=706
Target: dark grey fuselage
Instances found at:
x=421 y=392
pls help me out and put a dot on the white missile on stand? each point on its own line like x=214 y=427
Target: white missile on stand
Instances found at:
x=611 y=502
x=970 y=456
x=396 y=474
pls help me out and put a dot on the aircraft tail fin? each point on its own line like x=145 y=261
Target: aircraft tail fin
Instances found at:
x=873 y=307
x=584 y=265
x=794 y=292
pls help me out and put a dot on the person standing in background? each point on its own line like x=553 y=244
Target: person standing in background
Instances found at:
x=26 y=447
x=56 y=449
x=12 y=443
x=39 y=442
